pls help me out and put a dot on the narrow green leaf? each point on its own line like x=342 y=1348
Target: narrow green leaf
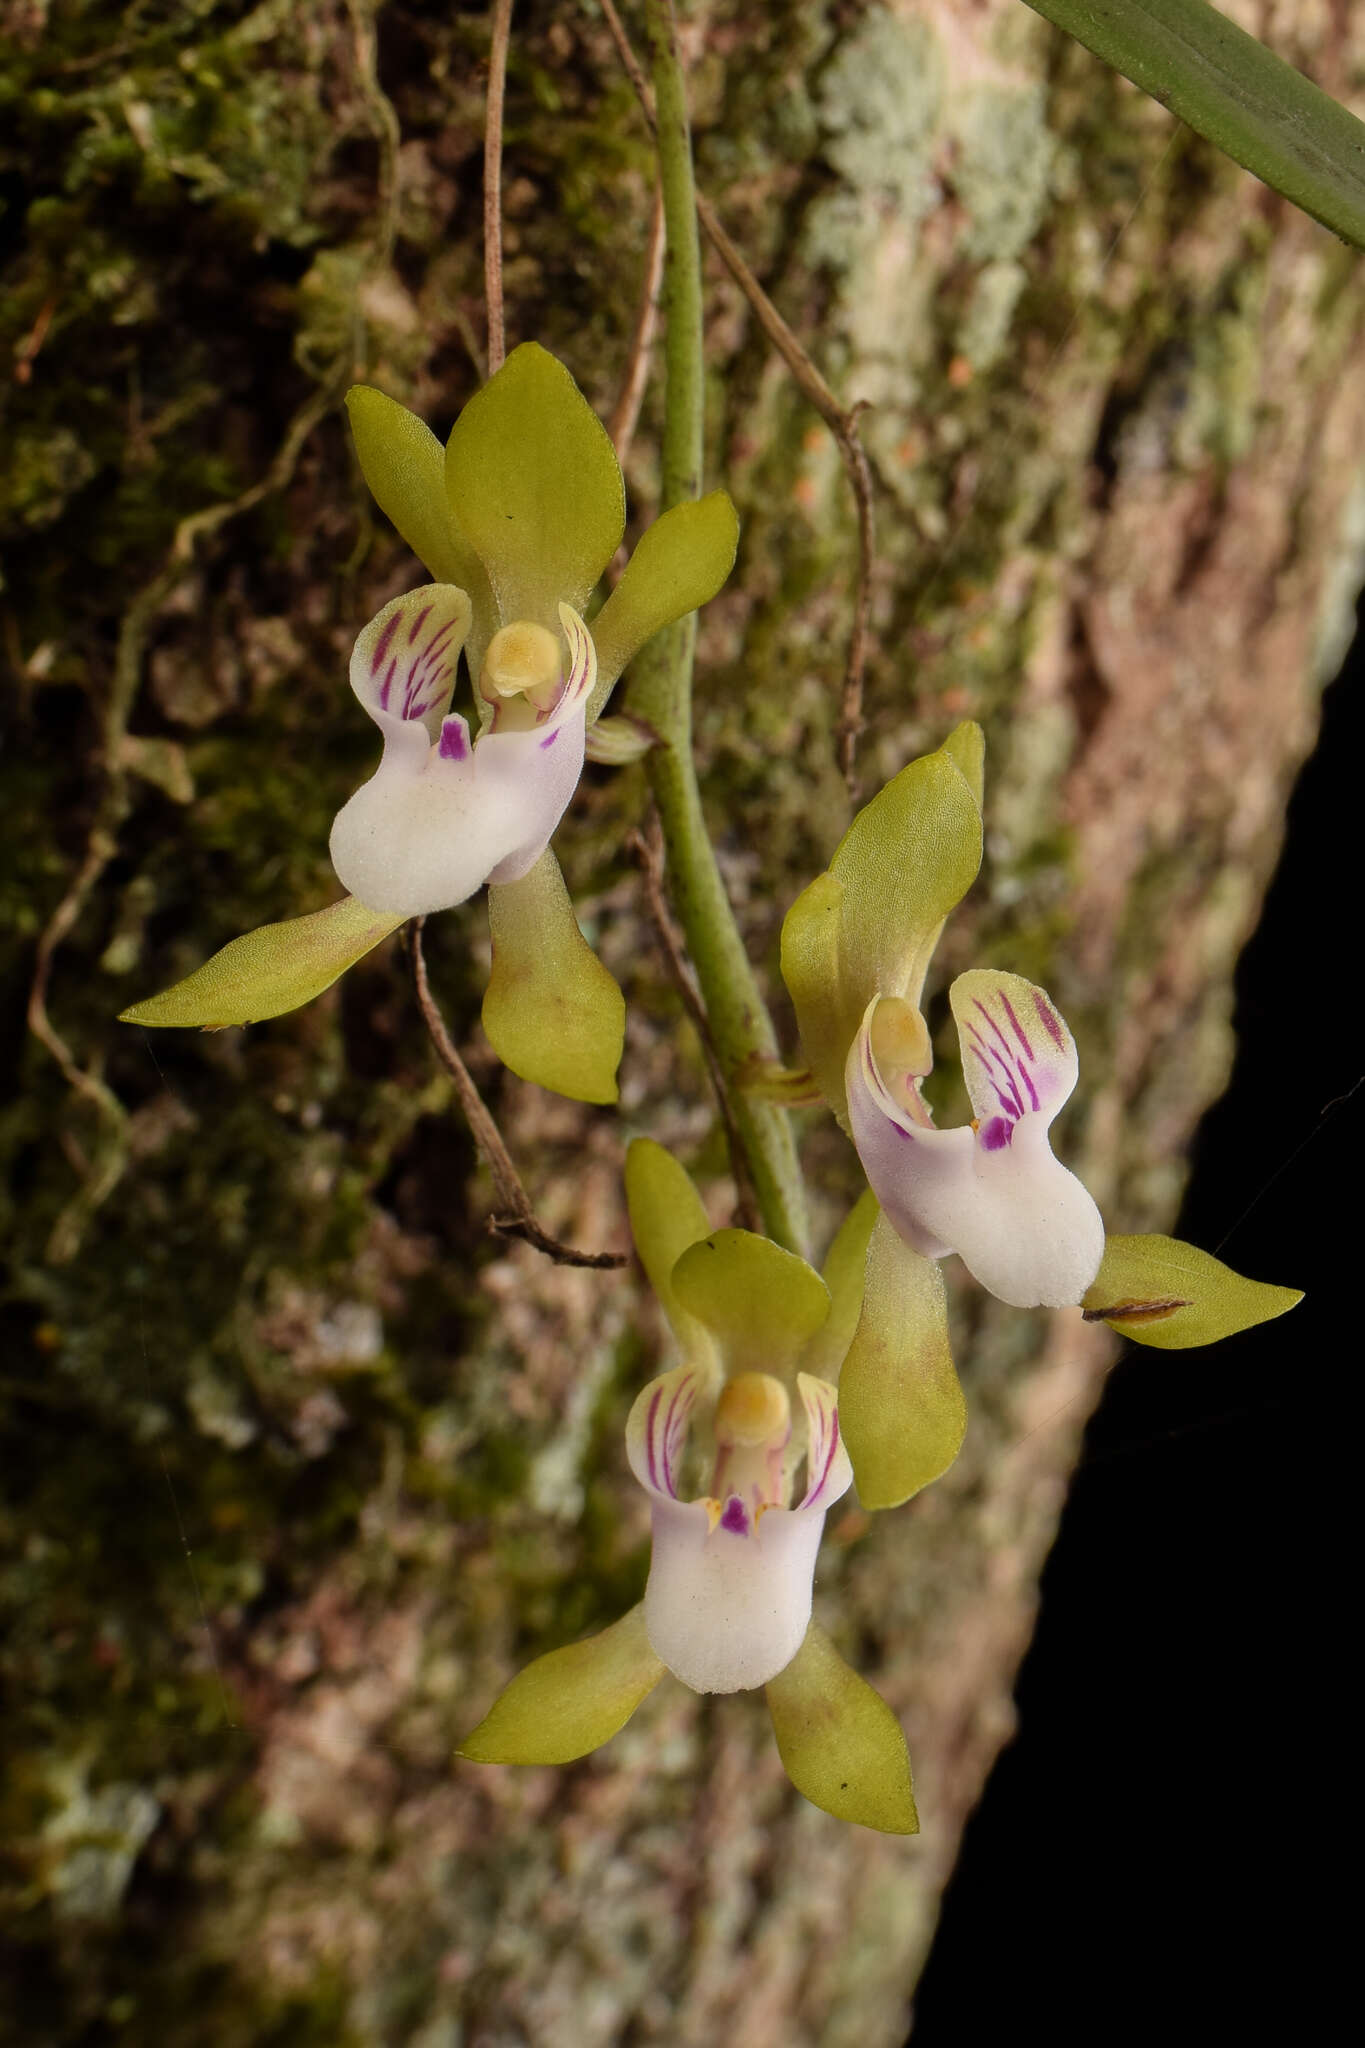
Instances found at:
x=666 y=1216
x=533 y=481
x=551 y=1011
x=1261 y=111
x=840 y=1744
x=678 y=565
x=762 y=1304
x=844 y=1274
x=1159 y=1291
x=269 y=971
x=900 y=1404
x=570 y=1701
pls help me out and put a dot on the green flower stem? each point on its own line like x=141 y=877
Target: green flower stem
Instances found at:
x=661 y=688
x=1260 y=110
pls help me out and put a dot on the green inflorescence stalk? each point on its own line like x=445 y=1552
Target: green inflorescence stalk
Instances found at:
x=1230 y=88
x=661 y=687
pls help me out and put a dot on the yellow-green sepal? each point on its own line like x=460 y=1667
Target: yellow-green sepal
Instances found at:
x=844 y=1274
x=666 y=1216
x=901 y=1408
x=761 y=1304
x=869 y=924
x=570 y=1701
x=840 y=1744
x=270 y=971
x=551 y=1011
x=533 y=483
x=679 y=563
x=404 y=465
x=1159 y=1291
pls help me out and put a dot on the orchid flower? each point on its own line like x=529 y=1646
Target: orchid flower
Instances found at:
x=727 y=1606
x=1024 y=1225
x=517 y=518
x=443 y=814
x=728 y=1600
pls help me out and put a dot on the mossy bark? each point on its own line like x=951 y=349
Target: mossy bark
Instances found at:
x=300 y=1464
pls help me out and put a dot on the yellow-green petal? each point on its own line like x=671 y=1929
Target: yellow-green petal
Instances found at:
x=966 y=743
x=679 y=564
x=908 y=858
x=761 y=1303
x=533 y=482
x=810 y=968
x=843 y=1273
x=666 y=1216
x=552 y=1012
x=1175 y=1295
x=870 y=924
x=404 y=466
x=900 y=1402
x=840 y=1744
x=570 y=1701
x=269 y=971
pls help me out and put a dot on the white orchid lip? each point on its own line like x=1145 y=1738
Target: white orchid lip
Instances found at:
x=729 y=1595
x=443 y=814
x=992 y=1191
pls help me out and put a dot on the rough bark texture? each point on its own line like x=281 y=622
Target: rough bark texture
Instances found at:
x=300 y=1465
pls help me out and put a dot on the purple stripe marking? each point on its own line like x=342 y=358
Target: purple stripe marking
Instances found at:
x=387 y=684
x=650 y=1458
x=381 y=646
x=418 y=622
x=735 y=1517
x=1010 y=1066
x=1005 y=1045
x=1015 y=1025
x=549 y=739
x=1050 y=1022
x=436 y=644
x=831 y=1446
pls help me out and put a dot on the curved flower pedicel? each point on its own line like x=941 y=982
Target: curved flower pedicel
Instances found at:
x=443 y=813
x=991 y=1191
x=727 y=1606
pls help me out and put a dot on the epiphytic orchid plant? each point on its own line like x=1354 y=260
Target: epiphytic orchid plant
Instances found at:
x=791 y=1387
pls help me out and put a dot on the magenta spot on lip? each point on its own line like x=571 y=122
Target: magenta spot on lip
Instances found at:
x=454 y=739
x=550 y=739
x=381 y=646
x=418 y=623
x=1050 y=1022
x=996 y=1134
x=735 y=1517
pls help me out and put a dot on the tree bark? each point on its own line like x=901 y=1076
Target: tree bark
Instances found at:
x=304 y=1464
